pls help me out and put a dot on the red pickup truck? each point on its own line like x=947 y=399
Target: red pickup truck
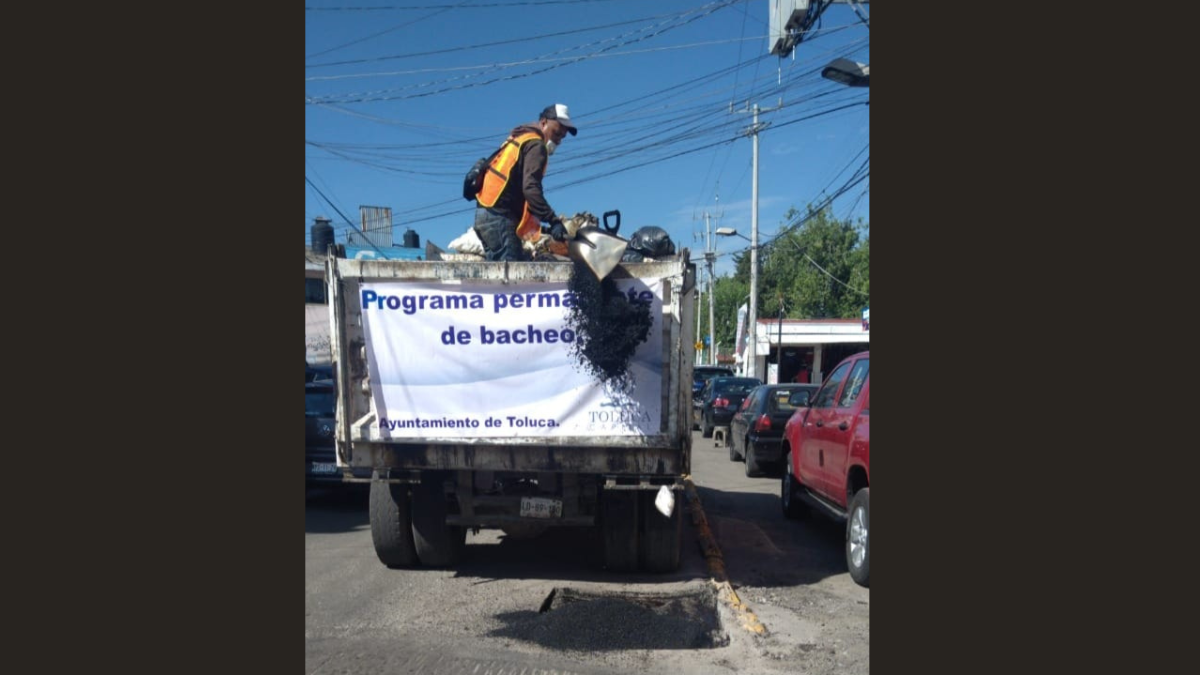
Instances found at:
x=827 y=458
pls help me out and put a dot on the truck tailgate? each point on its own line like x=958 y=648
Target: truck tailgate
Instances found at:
x=470 y=365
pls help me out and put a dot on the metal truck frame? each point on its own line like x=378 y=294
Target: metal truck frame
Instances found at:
x=426 y=493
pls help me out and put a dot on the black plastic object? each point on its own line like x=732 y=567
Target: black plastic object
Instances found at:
x=652 y=242
x=473 y=181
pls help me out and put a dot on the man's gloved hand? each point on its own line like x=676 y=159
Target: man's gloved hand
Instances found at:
x=558 y=231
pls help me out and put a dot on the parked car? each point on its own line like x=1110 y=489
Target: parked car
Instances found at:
x=702 y=374
x=756 y=430
x=827 y=458
x=718 y=400
x=313 y=373
x=320 y=452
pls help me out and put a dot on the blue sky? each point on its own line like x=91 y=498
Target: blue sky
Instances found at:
x=400 y=100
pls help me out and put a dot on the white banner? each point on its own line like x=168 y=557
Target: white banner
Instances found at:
x=740 y=334
x=486 y=360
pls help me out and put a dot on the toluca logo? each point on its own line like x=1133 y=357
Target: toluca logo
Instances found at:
x=632 y=415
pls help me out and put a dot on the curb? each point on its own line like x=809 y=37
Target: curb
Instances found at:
x=716 y=563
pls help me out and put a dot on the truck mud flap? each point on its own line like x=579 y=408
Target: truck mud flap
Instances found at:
x=438 y=544
x=661 y=537
x=619 y=524
x=636 y=535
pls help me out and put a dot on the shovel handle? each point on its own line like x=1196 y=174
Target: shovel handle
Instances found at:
x=612 y=229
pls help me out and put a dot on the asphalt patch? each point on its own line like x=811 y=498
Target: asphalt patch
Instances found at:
x=573 y=619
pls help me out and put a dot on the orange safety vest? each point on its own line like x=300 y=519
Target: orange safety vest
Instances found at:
x=496 y=179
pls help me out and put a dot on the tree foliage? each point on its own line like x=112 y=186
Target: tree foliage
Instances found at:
x=816 y=267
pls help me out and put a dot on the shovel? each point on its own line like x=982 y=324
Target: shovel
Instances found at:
x=600 y=250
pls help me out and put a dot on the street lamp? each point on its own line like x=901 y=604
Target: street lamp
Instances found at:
x=752 y=322
x=843 y=71
x=847 y=72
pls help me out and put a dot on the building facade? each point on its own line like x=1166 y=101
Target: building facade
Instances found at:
x=373 y=243
x=803 y=350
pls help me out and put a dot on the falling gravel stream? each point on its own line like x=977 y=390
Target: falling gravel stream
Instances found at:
x=608 y=327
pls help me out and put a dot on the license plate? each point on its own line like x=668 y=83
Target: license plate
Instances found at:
x=324 y=467
x=539 y=507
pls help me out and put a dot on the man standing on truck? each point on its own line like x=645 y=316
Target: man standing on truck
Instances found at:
x=510 y=205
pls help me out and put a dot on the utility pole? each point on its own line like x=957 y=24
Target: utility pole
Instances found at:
x=779 y=347
x=712 y=299
x=710 y=258
x=751 y=347
x=700 y=312
x=699 y=354
x=708 y=263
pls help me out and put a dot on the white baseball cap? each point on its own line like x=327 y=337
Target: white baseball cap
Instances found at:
x=559 y=112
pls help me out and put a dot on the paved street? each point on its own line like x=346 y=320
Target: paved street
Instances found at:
x=483 y=616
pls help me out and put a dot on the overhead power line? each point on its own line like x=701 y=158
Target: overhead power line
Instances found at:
x=458 y=49
x=473 y=5
x=387 y=94
x=526 y=62
x=624 y=135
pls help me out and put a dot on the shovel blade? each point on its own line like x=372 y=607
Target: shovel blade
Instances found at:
x=601 y=252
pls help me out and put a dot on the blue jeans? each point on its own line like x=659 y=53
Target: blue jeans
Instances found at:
x=498 y=235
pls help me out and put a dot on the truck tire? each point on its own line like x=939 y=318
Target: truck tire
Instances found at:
x=662 y=536
x=391 y=524
x=752 y=467
x=858 y=547
x=619 y=523
x=789 y=492
x=437 y=544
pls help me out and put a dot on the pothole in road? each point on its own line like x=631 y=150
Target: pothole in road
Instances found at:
x=586 y=620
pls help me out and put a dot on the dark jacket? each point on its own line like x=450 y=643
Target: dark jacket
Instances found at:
x=531 y=167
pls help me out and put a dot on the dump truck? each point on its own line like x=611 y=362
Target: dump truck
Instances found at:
x=466 y=403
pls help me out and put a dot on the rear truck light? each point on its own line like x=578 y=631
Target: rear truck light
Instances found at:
x=763 y=423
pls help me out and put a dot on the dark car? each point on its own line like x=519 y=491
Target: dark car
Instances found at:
x=756 y=430
x=718 y=400
x=320 y=452
x=313 y=373
x=702 y=374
